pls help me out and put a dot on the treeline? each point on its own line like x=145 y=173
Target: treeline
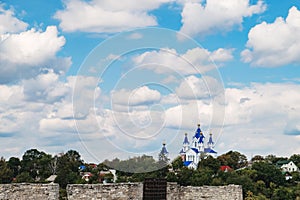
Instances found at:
x=260 y=177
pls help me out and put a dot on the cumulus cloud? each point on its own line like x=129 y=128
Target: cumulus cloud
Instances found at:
x=257 y=115
x=137 y=97
x=193 y=87
x=269 y=41
x=215 y=15
x=45 y=87
x=24 y=54
x=40 y=108
x=189 y=114
x=31 y=47
x=193 y=61
x=266 y=105
x=9 y=23
x=107 y=16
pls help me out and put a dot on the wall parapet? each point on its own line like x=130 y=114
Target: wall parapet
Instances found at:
x=230 y=192
x=120 y=191
x=124 y=191
x=29 y=191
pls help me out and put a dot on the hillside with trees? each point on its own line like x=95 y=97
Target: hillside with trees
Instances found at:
x=260 y=177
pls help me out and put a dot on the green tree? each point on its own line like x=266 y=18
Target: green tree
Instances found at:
x=138 y=164
x=184 y=176
x=36 y=163
x=6 y=174
x=273 y=159
x=268 y=173
x=296 y=159
x=282 y=193
x=257 y=158
x=68 y=168
x=14 y=164
x=24 y=177
x=210 y=163
x=202 y=177
x=233 y=159
x=172 y=177
x=261 y=188
x=177 y=163
x=238 y=179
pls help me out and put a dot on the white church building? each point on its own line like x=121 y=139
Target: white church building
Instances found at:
x=192 y=152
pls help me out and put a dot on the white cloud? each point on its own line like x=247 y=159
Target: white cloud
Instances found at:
x=24 y=54
x=193 y=61
x=137 y=97
x=280 y=39
x=107 y=16
x=216 y=15
x=256 y=115
x=189 y=114
x=193 y=87
x=46 y=87
x=263 y=105
x=31 y=47
x=46 y=122
x=9 y=23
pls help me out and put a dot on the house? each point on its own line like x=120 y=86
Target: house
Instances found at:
x=225 y=168
x=287 y=166
x=86 y=176
x=191 y=153
x=103 y=176
x=287 y=176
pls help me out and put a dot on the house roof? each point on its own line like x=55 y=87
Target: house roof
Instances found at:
x=282 y=162
x=51 y=178
x=225 y=167
x=187 y=163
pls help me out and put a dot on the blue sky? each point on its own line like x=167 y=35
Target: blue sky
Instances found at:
x=116 y=80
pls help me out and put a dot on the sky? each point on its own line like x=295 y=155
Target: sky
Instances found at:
x=112 y=79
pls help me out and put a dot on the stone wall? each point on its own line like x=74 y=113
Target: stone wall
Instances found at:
x=124 y=191
x=27 y=191
x=121 y=191
x=232 y=192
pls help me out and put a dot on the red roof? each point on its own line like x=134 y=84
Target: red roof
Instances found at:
x=225 y=168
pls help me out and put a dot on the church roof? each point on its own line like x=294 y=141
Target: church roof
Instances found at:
x=210 y=141
x=198 y=131
x=201 y=138
x=209 y=150
x=186 y=141
x=181 y=151
x=187 y=163
x=195 y=150
x=164 y=149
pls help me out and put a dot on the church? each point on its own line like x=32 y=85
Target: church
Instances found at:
x=193 y=151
